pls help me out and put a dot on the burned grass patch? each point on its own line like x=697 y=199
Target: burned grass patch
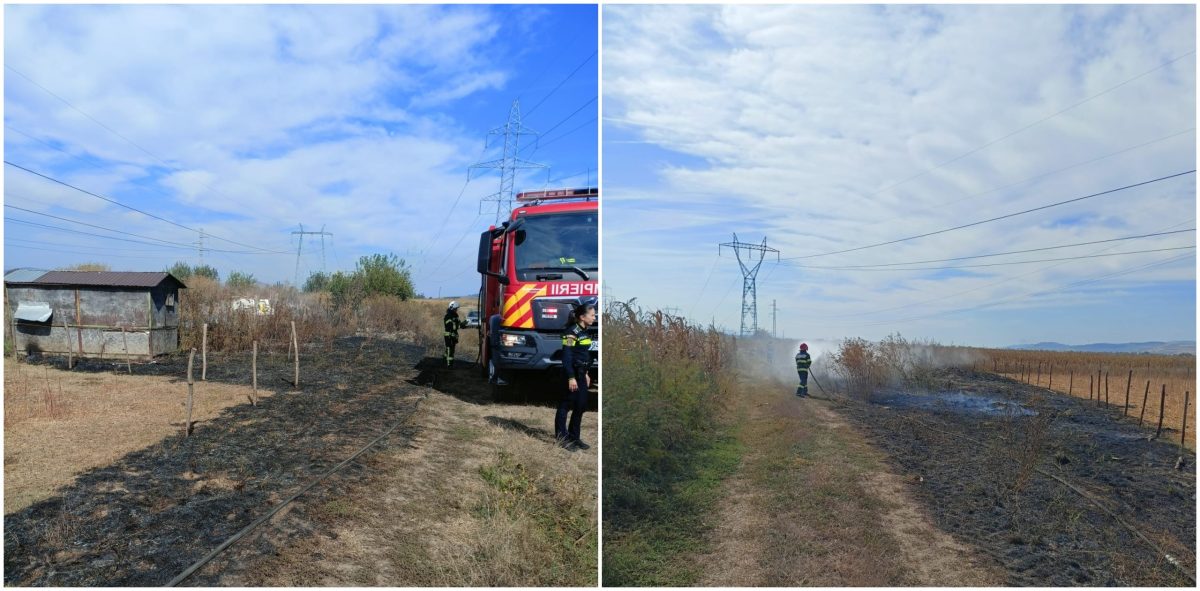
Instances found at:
x=147 y=516
x=997 y=494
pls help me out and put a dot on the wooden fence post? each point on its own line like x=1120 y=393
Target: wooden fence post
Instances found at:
x=1162 y=407
x=1090 y=383
x=1183 y=430
x=187 y=424
x=1051 y=386
x=67 y=333
x=125 y=344
x=204 y=353
x=1145 y=399
x=1098 y=387
x=1071 y=386
x=1128 y=383
x=254 y=374
x=296 y=346
x=1106 y=387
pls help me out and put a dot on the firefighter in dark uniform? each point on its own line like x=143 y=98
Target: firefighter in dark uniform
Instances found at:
x=451 y=323
x=803 y=364
x=576 y=359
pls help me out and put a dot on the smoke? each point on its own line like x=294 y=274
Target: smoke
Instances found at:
x=853 y=365
x=775 y=359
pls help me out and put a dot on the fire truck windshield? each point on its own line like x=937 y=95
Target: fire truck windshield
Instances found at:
x=557 y=242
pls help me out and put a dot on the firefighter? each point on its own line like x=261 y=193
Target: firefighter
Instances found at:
x=803 y=364
x=576 y=359
x=451 y=323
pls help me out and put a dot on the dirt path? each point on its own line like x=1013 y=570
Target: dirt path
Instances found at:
x=813 y=504
x=481 y=497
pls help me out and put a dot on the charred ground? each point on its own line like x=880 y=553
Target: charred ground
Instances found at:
x=146 y=517
x=989 y=492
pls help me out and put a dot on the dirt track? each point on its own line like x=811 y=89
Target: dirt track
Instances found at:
x=143 y=519
x=813 y=504
x=991 y=496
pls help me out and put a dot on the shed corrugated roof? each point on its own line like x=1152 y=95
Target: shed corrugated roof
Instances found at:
x=105 y=278
x=23 y=275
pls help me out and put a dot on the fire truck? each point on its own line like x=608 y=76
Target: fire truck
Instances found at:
x=534 y=268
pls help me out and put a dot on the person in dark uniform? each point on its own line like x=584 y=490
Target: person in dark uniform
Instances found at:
x=451 y=323
x=576 y=359
x=803 y=364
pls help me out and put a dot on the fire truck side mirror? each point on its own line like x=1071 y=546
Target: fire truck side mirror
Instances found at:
x=484 y=260
x=485 y=252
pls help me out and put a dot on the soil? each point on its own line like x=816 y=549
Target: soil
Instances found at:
x=143 y=519
x=989 y=492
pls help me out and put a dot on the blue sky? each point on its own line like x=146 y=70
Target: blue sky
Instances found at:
x=247 y=121
x=831 y=127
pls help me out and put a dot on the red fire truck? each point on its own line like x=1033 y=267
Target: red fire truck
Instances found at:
x=534 y=268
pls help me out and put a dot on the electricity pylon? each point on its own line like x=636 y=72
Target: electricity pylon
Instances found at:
x=508 y=164
x=754 y=255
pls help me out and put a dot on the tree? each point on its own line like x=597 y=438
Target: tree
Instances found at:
x=181 y=270
x=88 y=267
x=240 y=280
x=386 y=275
x=206 y=271
x=318 y=281
x=346 y=290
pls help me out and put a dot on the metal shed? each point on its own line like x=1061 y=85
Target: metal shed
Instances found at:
x=86 y=312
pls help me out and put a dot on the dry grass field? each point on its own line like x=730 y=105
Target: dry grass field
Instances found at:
x=58 y=423
x=1083 y=375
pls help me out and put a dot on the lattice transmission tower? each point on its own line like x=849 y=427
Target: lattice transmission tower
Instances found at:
x=508 y=164
x=750 y=257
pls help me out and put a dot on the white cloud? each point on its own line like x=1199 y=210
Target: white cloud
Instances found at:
x=263 y=117
x=807 y=124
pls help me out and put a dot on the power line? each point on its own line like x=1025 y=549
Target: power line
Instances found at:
x=1045 y=174
x=10 y=206
x=62 y=229
x=1031 y=125
x=131 y=208
x=997 y=218
x=166 y=242
x=116 y=133
x=994 y=254
x=564 y=119
x=1025 y=295
x=573 y=174
x=564 y=134
x=93 y=253
x=1074 y=258
x=703 y=287
x=83 y=160
x=93 y=119
x=10 y=240
x=977 y=288
x=559 y=85
x=460 y=239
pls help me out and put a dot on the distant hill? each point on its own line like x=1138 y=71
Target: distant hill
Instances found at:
x=1155 y=347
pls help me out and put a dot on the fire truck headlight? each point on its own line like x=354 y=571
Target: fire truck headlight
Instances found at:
x=508 y=339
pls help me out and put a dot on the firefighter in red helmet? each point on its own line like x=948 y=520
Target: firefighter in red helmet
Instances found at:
x=803 y=365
